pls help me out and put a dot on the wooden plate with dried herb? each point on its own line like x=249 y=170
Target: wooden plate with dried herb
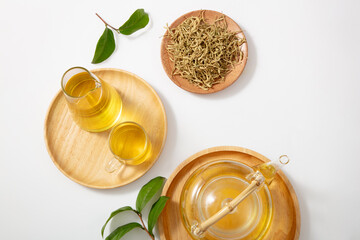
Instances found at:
x=204 y=51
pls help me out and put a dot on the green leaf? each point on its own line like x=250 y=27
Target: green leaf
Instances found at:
x=148 y=191
x=105 y=46
x=155 y=212
x=139 y=19
x=122 y=230
x=127 y=208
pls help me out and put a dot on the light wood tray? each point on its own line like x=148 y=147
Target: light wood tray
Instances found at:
x=210 y=17
x=285 y=224
x=82 y=155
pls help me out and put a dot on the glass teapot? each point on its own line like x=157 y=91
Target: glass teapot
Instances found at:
x=226 y=199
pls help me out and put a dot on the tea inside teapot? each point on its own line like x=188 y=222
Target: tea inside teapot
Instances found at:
x=226 y=199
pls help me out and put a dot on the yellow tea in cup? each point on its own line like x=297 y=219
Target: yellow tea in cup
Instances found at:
x=129 y=143
x=94 y=104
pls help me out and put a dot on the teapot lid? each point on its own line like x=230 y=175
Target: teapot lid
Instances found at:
x=211 y=187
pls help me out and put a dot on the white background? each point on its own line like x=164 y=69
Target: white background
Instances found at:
x=298 y=95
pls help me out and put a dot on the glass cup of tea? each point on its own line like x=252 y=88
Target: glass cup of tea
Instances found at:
x=95 y=105
x=130 y=145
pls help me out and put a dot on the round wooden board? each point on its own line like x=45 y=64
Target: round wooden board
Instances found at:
x=285 y=224
x=230 y=78
x=82 y=155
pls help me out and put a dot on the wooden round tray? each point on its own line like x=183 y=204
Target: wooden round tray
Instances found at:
x=210 y=17
x=285 y=224
x=82 y=155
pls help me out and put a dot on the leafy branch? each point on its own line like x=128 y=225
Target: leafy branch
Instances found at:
x=108 y=25
x=146 y=193
x=106 y=44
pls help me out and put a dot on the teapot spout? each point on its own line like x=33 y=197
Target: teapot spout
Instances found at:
x=269 y=169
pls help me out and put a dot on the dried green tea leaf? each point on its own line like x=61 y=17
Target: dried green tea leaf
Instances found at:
x=204 y=53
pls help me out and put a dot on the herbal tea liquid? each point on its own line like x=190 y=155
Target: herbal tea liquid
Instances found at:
x=95 y=106
x=129 y=143
x=248 y=214
x=244 y=215
x=213 y=186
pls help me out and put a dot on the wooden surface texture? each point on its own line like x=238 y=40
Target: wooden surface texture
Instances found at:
x=82 y=155
x=285 y=224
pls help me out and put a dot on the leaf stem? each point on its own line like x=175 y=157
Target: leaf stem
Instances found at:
x=146 y=230
x=108 y=25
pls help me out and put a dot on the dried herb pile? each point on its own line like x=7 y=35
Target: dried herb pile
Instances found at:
x=204 y=53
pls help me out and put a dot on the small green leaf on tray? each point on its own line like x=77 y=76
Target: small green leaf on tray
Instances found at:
x=122 y=230
x=127 y=208
x=155 y=212
x=138 y=20
x=105 y=46
x=148 y=191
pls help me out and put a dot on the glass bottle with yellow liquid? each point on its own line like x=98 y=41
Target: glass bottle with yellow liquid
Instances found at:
x=95 y=105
